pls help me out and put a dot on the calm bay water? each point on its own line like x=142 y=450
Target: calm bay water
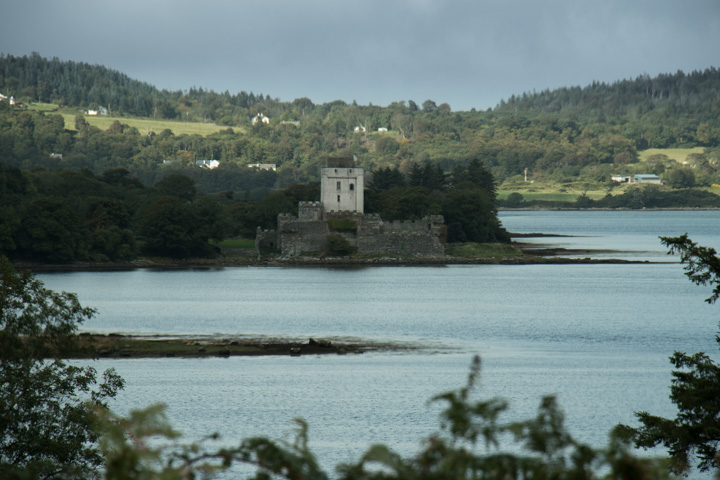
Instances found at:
x=631 y=234
x=597 y=336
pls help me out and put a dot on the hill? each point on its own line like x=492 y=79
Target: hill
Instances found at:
x=569 y=135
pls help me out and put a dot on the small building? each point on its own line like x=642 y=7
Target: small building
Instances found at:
x=99 y=111
x=261 y=118
x=263 y=166
x=637 y=178
x=207 y=164
x=647 y=178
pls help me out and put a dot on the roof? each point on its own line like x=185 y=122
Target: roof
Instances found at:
x=341 y=162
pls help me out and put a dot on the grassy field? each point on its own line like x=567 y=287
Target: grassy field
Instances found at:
x=43 y=107
x=553 y=191
x=568 y=192
x=146 y=125
x=677 y=154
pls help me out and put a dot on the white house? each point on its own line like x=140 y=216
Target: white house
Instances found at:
x=260 y=118
x=207 y=164
x=263 y=166
x=99 y=111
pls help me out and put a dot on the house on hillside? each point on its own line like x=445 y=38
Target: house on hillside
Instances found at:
x=263 y=166
x=207 y=164
x=99 y=111
x=260 y=118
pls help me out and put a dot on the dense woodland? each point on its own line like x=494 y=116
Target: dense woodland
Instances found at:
x=78 y=192
x=570 y=133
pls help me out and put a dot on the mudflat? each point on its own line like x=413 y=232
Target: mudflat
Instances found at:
x=156 y=346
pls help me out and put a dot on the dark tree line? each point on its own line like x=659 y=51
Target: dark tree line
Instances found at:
x=60 y=216
x=465 y=197
x=63 y=216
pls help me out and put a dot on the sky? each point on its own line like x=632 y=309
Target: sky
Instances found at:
x=466 y=53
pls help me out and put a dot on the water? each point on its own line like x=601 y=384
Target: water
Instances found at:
x=597 y=336
x=632 y=234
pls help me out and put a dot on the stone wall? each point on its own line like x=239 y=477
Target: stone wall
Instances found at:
x=306 y=234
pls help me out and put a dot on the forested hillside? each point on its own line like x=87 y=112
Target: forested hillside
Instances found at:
x=586 y=133
x=421 y=158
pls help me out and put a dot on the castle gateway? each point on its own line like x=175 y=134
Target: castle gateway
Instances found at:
x=341 y=212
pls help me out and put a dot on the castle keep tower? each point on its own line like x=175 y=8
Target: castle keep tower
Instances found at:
x=341 y=186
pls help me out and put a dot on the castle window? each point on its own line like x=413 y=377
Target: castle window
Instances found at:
x=352 y=187
x=338 y=186
x=338 y=198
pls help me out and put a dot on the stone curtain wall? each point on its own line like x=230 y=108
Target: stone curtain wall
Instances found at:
x=306 y=234
x=415 y=238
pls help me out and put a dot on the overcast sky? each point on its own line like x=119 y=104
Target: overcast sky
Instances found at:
x=467 y=53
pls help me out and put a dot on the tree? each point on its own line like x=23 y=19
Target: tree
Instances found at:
x=46 y=426
x=166 y=226
x=695 y=386
x=51 y=231
x=177 y=185
x=680 y=178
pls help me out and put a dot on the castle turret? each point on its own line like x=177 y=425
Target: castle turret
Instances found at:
x=341 y=186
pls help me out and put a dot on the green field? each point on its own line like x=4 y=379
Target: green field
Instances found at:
x=145 y=125
x=552 y=196
x=677 y=154
x=43 y=107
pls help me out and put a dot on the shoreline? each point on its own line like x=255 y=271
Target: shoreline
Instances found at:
x=539 y=257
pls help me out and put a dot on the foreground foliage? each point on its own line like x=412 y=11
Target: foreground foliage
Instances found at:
x=694 y=435
x=46 y=426
x=475 y=441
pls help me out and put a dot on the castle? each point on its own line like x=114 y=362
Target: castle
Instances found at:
x=340 y=212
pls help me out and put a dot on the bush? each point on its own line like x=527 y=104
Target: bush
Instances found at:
x=337 y=246
x=346 y=225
